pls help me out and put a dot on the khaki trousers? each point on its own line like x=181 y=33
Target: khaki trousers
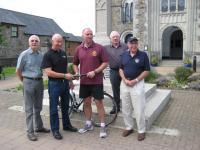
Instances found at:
x=133 y=100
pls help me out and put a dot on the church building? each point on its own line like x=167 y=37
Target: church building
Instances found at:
x=167 y=29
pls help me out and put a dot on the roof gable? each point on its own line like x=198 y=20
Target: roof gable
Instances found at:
x=33 y=24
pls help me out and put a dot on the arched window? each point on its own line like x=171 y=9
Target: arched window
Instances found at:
x=181 y=5
x=127 y=11
x=131 y=12
x=172 y=5
x=164 y=5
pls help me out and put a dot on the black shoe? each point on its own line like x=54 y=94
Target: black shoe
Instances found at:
x=57 y=135
x=43 y=130
x=70 y=128
x=31 y=137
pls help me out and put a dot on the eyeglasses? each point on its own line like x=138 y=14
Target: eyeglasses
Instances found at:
x=34 y=41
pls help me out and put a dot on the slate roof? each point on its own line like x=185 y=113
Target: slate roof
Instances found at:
x=33 y=24
x=71 y=37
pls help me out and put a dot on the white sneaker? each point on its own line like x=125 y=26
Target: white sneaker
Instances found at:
x=103 y=132
x=86 y=128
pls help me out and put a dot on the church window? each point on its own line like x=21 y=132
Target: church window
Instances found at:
x=127 y=14
x=172 y=5
x=181 y=5
x=127 y=11
x=164 y=5
x=131 y=12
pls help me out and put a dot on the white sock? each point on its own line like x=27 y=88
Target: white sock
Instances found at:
x=103 y=124
x=88 y=122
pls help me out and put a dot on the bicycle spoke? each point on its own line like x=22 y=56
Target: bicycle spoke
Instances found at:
x=109 y=103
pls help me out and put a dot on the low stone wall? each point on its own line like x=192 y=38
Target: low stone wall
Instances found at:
x=8 y=61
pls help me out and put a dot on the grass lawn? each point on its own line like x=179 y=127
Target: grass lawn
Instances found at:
x=9 y=71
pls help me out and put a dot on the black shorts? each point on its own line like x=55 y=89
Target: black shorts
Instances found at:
x=95 y=91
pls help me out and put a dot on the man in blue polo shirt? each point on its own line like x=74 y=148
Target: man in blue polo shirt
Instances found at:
x=133 y=69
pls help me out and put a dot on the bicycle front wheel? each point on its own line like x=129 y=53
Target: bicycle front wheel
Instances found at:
x=109 y=104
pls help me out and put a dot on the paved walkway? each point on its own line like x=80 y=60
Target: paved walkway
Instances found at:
x=10 y=82
x=177 y=128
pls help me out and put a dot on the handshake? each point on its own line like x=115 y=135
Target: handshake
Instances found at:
x=76 y=76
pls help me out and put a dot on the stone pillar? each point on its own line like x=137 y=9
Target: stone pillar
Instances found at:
x=103 y=21
x=140 y=22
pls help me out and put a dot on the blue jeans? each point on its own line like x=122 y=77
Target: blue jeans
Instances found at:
x=58 y=89
x=115 y=80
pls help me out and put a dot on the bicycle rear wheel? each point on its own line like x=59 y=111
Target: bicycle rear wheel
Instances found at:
x=109 y=104
x=70 y=110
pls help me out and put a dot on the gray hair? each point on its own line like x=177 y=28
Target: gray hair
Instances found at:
x=114 y=33
x=34 y=36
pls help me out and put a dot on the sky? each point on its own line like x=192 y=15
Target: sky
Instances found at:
x=71 y=15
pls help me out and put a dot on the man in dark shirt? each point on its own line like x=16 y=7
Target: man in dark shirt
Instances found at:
x=134 y=68
x=114 y=50
x=93 y=60
x=55 y=65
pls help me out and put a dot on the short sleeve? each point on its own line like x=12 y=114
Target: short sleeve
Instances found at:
x=146 y=63
x=76 y=58
x=46 y=62
x=104 y=55
x=120 y=63
x=20 y=61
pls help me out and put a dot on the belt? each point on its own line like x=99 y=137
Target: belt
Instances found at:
x=130 y=79
x=57 y=79
x=116 y=69
x=37 y=79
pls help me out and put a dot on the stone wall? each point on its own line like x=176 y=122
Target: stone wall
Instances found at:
x=116 y=18
x=15 y=45
x=71 y=47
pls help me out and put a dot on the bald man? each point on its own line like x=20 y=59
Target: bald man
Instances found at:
x=29 y=72
x=55 y=66
x=92 y=59
x=114 y=50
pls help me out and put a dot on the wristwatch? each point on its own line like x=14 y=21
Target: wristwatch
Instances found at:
x=137 y=80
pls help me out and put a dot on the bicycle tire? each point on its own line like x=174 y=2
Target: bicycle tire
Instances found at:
x=74 y=104
x=70 y=110
x=109 y=118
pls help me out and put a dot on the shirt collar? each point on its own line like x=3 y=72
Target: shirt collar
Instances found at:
x=32 y=52
x=115 y=47
x=55 y=51
x=135 y=54
x=83 y=46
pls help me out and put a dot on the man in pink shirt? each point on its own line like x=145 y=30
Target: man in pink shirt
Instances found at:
x=92 y=59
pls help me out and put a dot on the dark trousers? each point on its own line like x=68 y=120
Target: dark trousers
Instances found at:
x=58 y=89
x=115 y=80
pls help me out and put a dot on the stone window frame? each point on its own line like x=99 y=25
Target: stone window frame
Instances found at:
x=127 y=11
x=172 y=6
x=14 y=31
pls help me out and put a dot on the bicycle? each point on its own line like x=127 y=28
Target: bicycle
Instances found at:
x=75 y=103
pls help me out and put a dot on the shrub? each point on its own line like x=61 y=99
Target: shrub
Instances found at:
x=154 y=60
x=187 y=61
x=70 y=68
x=182 y=74
x=9 y=71
x=151 y=78
x=45 y=82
